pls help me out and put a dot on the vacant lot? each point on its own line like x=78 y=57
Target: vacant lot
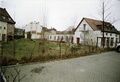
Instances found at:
x=26 y=50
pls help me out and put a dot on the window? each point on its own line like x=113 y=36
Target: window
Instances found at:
x=116 y=35
x=106 y=33
x=110 y=34
x=67 y=38
x=112 y=40
x=84 y=26
x=50 y=37
x=58 y=38
x=54 y=37
x=62 y=38
x=4 y=28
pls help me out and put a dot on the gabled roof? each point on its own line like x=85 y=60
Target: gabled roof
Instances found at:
x=5 y=17
x=97 y=25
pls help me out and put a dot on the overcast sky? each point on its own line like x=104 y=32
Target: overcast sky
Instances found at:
x=59 y=14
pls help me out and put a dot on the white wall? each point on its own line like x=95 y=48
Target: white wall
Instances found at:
x=54 y=37
x=33 y=26
x=114 y=36
x=2 y=30
x=90 y=36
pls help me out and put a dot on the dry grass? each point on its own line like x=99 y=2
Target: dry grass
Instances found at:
x=38 y=51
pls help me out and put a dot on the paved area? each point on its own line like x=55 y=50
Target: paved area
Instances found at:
x=104 y=67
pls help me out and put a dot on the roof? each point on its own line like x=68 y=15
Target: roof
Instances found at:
x=45 y=29
x=5 y=17
x=98 y=25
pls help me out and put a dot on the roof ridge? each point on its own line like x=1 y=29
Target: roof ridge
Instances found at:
x=96 y=20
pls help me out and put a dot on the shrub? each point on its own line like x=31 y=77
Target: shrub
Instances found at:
x=8 y=61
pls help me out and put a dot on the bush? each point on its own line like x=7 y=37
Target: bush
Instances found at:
x=74 y=49
x=8 y=61
x=25 y=59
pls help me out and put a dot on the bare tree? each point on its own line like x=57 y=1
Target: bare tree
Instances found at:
x=44 y=12
x=60 y=46
x=14 y=42
x=107 y=15
x=44 y=26
x=15 y=75
x=74 y=20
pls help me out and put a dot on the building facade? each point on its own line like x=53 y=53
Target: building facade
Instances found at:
x=19 y=33
x=33 y=30
x=63 y=36
x=90 y=32
x=7 y=25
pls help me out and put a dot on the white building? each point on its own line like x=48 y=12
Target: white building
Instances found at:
x=90 y=32
x=63 y=36
x=33 y=30
x=7 y=25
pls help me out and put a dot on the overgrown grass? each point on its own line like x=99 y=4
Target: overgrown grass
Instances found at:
x=41 y=50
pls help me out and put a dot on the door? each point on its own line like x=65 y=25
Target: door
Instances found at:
x=72 y=40
x=108 y=42
x=3 y=37
x=78 y=40
x=29 y=35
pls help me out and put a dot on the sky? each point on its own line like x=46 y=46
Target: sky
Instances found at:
x=59 y=14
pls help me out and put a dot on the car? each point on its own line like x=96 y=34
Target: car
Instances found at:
x=118 y=47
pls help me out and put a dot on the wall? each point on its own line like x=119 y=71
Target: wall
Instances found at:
x=114 y=36
x=58 y=37
x=33 y=26
x=10 y=29
x=3 y=29
x=87 y=36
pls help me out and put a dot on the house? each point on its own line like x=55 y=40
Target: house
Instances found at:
x=7 y=25
x=47 y=32
x=33 y=30
x=90 y=32
x=19 y=33
x=64 y=36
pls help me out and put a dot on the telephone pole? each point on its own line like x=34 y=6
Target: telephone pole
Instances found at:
x=103 y=23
